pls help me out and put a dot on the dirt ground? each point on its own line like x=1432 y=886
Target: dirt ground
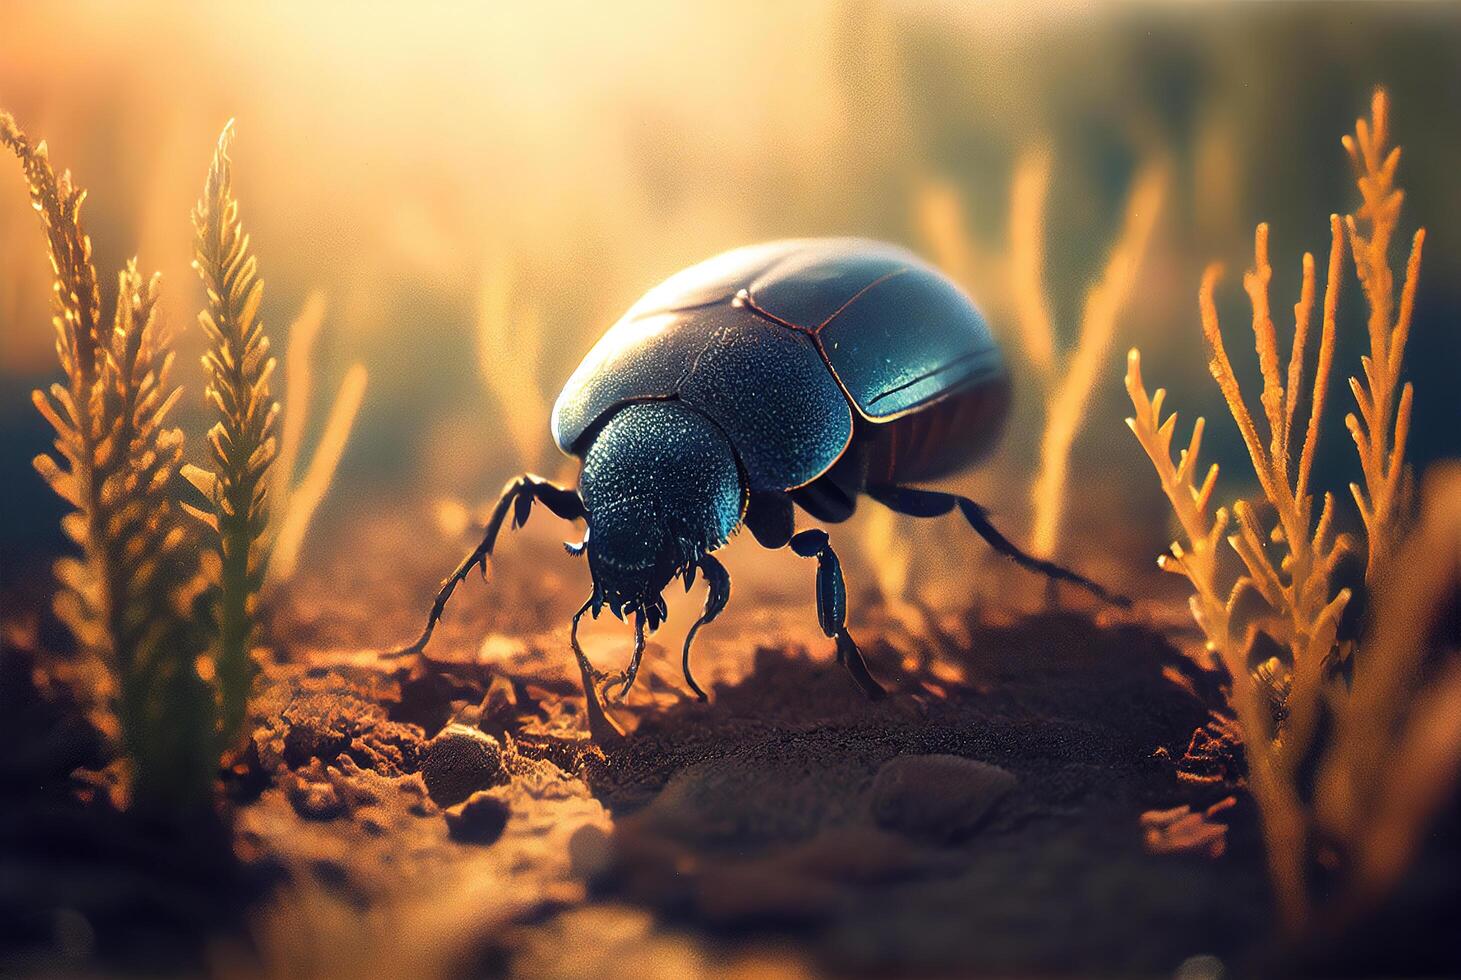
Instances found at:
x=448 y=815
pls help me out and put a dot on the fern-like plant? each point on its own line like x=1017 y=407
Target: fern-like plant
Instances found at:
x=127 y=599
x=242 y=442
x=1286 y=599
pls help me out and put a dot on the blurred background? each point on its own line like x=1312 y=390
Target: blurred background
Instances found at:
x=470 y=195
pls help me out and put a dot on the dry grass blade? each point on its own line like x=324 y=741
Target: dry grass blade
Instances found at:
x=293 y=506
x=509 y=355
x=298 y=383
x=1069 y=387
x=306 y=496
x=939 y=215
x=1028 y=193
x=242 y=441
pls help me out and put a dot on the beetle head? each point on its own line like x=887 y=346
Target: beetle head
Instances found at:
x=662 y=488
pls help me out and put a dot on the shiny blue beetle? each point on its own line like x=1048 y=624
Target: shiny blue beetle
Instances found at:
x=795 y=373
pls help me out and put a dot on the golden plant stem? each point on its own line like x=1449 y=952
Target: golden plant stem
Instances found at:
x=1325 y=366
x=1296 y=586
x=1070 y=392
x=1381 y=429
x=1028 y=193
x=1221 y=369
x=306 y=497
x=1279 y=807
x=294 y=411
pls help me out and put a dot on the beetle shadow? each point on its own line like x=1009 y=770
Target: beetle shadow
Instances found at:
x=768 y=808
x=1124 y=686
x=776 y=774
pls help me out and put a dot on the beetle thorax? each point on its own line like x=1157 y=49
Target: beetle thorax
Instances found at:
x=662 y=488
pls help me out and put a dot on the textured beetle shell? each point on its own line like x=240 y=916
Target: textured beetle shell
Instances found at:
x=635 y=475
x=779 y=343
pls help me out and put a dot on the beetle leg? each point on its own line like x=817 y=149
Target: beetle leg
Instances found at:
x=600 y=725
x=832 y=607
x=930 y=503
x=518 y=496
x=771 y=519
x=590 y=672
x=718 y=583
x=627 y=677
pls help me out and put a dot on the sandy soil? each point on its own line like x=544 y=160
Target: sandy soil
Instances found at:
x=449 y=815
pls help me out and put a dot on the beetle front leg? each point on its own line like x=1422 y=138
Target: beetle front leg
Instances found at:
x=600 y=725
x=626 y=678
x=518 y=496
x=832 y=607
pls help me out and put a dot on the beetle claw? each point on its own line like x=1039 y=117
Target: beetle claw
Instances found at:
x=605 y=683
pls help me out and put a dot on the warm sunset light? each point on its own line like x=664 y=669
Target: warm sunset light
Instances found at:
x=663 y=490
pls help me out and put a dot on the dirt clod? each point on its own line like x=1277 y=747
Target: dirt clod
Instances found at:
x=937 y=797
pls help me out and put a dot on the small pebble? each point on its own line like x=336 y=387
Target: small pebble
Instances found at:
x=937 y=797
x=480 y=820
x=316 y=801
x=590 y=852
x=459 y=761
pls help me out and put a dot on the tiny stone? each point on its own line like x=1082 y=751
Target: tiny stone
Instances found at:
x=938 y=797
x=480 y=820
x=590 y=852
x=459 y=761
x=316 y=801
x=372 y=825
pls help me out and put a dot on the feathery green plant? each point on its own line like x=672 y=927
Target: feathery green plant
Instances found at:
x=127 y=599
x=242 y=442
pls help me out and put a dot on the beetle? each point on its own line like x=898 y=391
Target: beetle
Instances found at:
x=799 y=373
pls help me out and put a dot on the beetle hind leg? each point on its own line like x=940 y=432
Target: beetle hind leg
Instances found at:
x=832 y=608
x=930 y=503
